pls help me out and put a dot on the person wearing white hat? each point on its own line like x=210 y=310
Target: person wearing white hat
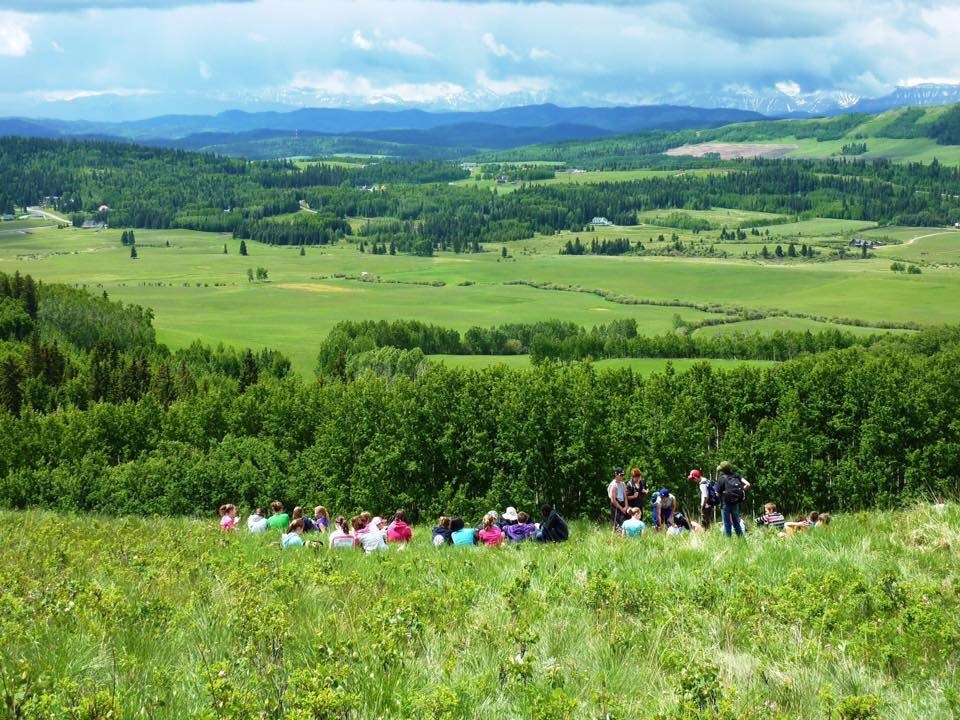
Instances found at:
x=508 y=518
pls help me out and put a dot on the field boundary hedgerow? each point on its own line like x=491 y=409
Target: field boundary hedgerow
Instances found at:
x=742 y=312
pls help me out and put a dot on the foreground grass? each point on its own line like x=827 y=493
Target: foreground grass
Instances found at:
x=170 y=619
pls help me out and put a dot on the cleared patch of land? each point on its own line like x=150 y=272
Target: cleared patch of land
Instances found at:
x=732 y=151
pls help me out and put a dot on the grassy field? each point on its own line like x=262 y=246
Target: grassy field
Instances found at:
x=585 y=177
x=197 y=291
x=168 y=619
x=717 y=217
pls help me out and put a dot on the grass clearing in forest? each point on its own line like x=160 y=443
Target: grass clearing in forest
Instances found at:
x=170 y=618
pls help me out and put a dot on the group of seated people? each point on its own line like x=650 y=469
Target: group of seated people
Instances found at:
x=494 y=529
x=373 y=533
x=773 y=518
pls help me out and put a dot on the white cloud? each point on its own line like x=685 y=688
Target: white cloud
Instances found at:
x=339 y=84
x=912 y=82
x=14 y=39
x=512 y=85
x=205 y=72
x=71 y=95
x=359 y=41
x=540 y=54
x=57 y=47
x=498 y=49
x=405 y=46
x=788 y=88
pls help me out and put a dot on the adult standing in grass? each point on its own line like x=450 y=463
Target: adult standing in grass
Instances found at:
x=617 y=494
x=637 y=491
x=732 y=489
x=708 y=497
x=279 y=520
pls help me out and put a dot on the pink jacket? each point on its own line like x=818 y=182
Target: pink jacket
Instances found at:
x=493 y=536
x=399 y=531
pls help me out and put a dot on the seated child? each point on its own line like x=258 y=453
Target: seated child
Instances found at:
x=279 y=520
x=771 y=517
x=490 y=533
x=292 y=537
x=462 y=535
x=321 y=518
x=340 y=536
x=399 y=531
x=521 y=530
x=633 y=526
x=442 y=533
x=257 y=523
x=228 y=517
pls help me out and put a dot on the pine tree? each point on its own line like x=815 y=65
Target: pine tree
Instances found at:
x=765 y=252
x=778 y=251
x=791 y=250
x=133 y=252
x=248 y=372
x=29 y=297
x=224 y=248
x=503 y=252
x=162 y=386
x=243 y=247
x=11 y=375
x=393 y=248
x=303 y=250
x=124 y=238
x=132 y=238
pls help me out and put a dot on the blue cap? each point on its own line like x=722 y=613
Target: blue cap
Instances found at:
x=664 y=492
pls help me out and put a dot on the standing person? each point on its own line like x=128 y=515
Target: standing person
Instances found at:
x=708 y=497
x=228 y=517
x=399 y=531
x=279 y=520
x=732 y=489
x=553 y=528
x=664 y=507
x=617 y=494
x=637 y=491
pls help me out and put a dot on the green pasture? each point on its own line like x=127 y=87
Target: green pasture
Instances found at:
x=585 y=177
x=928 y=245
x=196 y=291
x=169 y=618
x=11 y=226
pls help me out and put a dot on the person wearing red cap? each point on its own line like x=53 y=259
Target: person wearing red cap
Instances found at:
x=707 y=498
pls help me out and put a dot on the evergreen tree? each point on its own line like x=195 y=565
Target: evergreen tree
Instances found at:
x=249 y=274
x=248 y=371
x=393 y=248
x=863 y=250
x=791 y=250
x=765 y=252
x=303 y=250
x=224 y=248
x=778 y=251
x=124 y=238
x=29 y=297
x=503 y=251
x=11 y=375
x=133 y=252
x=243 y=247
x=131 y=238
x=162 y=387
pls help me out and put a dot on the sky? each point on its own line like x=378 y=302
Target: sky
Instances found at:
x=119 y=59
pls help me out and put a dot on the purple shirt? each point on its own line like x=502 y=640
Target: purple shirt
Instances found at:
x=518 y=532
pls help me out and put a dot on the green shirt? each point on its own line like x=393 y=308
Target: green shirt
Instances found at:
x=278 y=521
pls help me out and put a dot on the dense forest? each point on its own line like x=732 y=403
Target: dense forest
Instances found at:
x=95 y=415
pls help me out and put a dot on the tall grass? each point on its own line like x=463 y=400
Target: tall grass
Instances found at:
x=165 y=618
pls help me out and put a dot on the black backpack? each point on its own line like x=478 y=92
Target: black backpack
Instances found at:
x=733 y=491
x=713 y=499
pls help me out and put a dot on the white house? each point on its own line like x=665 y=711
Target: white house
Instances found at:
x=600 y=221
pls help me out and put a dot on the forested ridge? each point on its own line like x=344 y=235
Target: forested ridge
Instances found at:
x=154 y=188
x=107 y=420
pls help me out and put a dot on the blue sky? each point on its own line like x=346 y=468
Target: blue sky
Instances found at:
x=122 y=58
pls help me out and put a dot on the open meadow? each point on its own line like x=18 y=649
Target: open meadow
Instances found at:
x=168 y=619
x=197 y=291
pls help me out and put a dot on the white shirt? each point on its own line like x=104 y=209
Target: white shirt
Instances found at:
x=371 y=540
x=257 y=524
